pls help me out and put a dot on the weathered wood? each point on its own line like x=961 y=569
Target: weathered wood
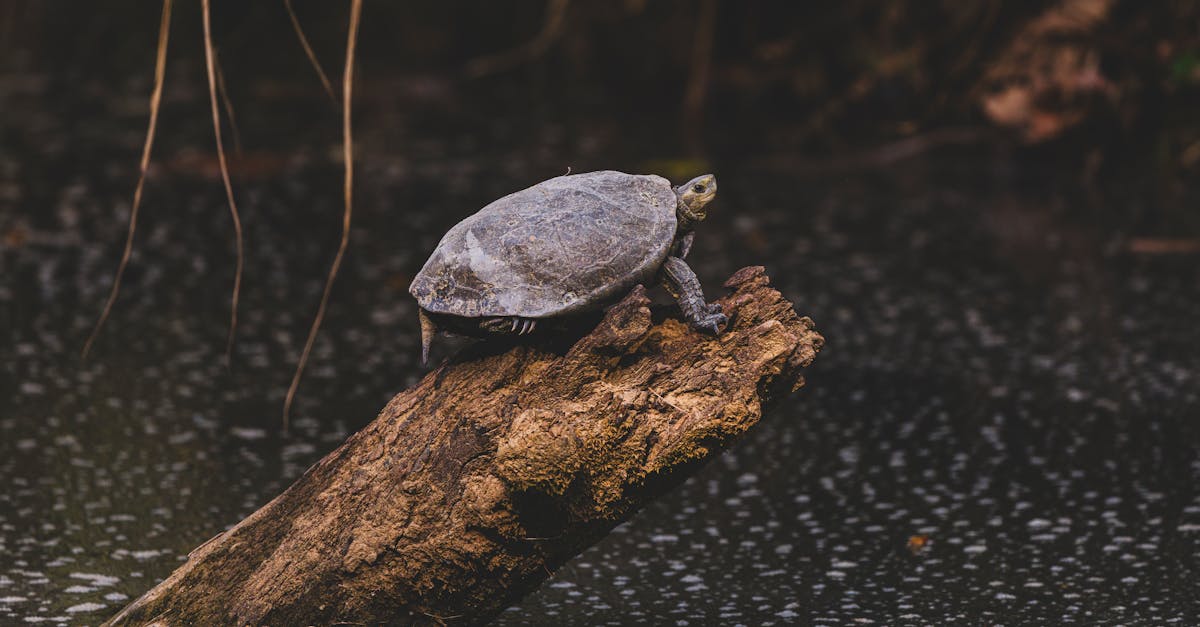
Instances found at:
x=469 y=489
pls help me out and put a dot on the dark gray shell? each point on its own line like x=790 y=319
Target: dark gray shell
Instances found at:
x=562 y=246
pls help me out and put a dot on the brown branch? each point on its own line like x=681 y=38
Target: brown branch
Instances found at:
x=347 y=191
x=475 y=485
x=697 y=85
x=552 y=27
x=210 y=63
x=160 y=65
x=1164 y=245
x=308 y=51
x=883 y=155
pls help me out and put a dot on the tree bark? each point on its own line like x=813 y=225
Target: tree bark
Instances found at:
x=471 y=488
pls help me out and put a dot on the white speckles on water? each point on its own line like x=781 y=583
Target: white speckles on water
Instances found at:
x=31 y=388
x=95 y=579
x=85 y=607
x=181 y=438
x=247 y=433
x=973 y=392
x=298 y=450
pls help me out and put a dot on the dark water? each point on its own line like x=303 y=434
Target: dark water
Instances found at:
x=1001 y=379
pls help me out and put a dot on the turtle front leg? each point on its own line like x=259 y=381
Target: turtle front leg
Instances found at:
x=682 y=283
x=511 y=325
x=683 y=245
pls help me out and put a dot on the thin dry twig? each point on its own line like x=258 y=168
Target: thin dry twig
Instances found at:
x=233 y=210
x=347 y=191
x=880 y=156
x=697 y=85
x=552 y=27
x=308 y=51
x=8 y=23
x=228 y=104
x=160 y=65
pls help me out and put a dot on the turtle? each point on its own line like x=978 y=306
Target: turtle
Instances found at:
x=568 y=245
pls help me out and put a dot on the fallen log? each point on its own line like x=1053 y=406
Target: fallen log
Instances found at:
x=472 y=487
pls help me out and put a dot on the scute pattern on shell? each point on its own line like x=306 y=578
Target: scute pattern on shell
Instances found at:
x=565 y=245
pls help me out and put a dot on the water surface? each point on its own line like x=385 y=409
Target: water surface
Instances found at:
x=1003 y=384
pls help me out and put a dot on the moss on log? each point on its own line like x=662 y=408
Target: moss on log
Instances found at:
x=472 y=487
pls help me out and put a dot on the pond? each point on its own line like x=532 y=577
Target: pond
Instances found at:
x=1002 y=427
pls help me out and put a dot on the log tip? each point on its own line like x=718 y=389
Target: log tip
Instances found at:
x=750 y=276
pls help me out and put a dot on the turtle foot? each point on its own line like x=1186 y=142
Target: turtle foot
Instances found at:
x=710 y=323
x=511 y=325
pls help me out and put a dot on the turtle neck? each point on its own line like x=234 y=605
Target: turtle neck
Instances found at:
x=686 y=217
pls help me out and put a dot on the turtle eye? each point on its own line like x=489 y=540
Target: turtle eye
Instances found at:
x=698 y=188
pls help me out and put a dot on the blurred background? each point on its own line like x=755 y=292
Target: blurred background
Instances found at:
x=990 y=209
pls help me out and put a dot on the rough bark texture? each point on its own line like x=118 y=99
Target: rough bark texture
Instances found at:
x=471 y=488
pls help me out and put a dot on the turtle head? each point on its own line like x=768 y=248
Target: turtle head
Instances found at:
x=694 y=195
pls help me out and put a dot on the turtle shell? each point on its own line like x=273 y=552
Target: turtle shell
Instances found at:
x=565 y=245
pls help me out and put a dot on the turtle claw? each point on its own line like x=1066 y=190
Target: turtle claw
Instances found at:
x=499 y=325
x=514 y=325
x=711 y=323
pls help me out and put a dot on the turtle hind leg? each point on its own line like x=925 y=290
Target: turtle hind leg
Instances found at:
x=428 y=330
x=509 y=325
